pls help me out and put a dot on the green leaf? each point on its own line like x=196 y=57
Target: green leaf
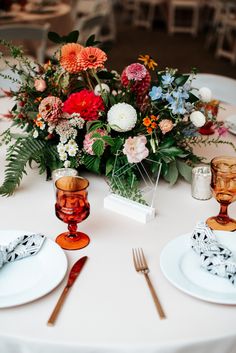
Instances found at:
x=185 y=170
x=91 y=41
x=55 y=38
x=92 y=163
x=172 y=173
x=105 y=75
x=117 y=144
x=168 y=142
x=110 y=165
x=192 y=98
x=181 y=80
x=72 y=37
x=95 y=125
x=173 y=151
x=98 y=147
x=109 y=140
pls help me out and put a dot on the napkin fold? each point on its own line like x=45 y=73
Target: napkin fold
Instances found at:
x=21 y=247
x=214 y=257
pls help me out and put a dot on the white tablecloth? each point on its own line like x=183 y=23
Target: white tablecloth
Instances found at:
x=110 y=309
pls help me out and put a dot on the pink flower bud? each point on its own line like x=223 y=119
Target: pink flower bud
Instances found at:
x=40 y=85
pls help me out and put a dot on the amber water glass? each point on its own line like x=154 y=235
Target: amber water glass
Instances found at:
x=72 y=207
x=223 y=184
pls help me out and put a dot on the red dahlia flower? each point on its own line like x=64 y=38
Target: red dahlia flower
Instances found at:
x=84 y=103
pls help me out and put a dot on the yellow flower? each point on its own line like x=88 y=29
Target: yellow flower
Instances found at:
x=147 y=61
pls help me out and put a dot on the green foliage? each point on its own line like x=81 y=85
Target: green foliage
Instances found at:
x=25 y=150
x=92 y=163
x=72 y=37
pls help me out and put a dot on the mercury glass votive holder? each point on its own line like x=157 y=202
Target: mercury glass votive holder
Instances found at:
x=201 y=182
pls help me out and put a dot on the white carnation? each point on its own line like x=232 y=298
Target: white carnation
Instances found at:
x=122 y=117
x=205 y=94
x=105 y=89
x=197 y=118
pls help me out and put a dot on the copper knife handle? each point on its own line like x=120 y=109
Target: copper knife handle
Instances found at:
x=58 y=306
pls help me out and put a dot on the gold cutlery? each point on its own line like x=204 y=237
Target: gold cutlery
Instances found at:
x=74 y=273
x=141 y=266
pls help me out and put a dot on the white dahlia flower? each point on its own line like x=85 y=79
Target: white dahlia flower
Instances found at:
x=105 y=89
x=122 y=117
x=205 y=94
x=197 y=118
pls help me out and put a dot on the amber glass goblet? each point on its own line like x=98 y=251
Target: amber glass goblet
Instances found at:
x=223 y=184
x=72 y=207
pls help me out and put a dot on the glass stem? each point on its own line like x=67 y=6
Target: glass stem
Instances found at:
x=72 y=227
x=223 y=214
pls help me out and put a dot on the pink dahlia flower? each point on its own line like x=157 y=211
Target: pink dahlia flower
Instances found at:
x=50 y=109
x=137 y=77
x=136 y=72
x=135 y=149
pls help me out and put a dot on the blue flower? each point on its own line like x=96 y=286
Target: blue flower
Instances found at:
x=180 y=94
x=167 y=79
x=155 y=93
x=177 y=106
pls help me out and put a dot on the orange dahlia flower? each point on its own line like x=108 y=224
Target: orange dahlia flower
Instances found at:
x=92 y=58
x=69 y=57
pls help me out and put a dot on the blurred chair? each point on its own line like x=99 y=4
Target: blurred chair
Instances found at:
x=36 y=34
x=223 y=88
x=144 y=12
x=184 y=6
x=226 y=40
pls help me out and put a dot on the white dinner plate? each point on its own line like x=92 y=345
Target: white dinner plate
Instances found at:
x=32 y=277
x=230 y=123
x=181 y=266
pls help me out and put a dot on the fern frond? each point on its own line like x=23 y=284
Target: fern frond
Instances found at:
x=18 y=155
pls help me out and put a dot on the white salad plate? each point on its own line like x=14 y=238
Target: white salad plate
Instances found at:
x=181 y=266
x=30 y=278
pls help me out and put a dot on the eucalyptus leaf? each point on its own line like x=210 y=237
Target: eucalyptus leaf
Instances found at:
x=185 y=170
x=172 y=173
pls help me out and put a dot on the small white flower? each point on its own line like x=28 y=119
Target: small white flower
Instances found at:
x=114 y=92
x=122 y=117
x=61 y=148
x=72 y=150
x=63 y=139
x=205 y=94
x=105 y=89
x=197 y=118
x=67 y=164
x=35 y=134
x=63 y=156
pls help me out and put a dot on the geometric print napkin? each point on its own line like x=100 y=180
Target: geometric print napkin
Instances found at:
x=21 y=247
x=214 y=257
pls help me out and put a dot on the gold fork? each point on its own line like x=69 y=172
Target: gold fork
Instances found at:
x=141 y=266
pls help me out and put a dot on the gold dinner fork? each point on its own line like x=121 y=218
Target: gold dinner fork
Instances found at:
x=141 y=266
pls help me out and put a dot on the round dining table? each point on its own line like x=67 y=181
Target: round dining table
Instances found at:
x=55 y=15
x=109 y=309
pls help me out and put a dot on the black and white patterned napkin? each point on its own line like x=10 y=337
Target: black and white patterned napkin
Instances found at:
x=214 y=257
x=21 y=247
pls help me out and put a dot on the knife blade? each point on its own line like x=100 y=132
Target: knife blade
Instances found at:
x=74 y=273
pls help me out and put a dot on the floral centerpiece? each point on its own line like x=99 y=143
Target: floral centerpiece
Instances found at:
x=73 y=112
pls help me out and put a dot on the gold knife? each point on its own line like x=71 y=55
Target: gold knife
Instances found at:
x=74 y=273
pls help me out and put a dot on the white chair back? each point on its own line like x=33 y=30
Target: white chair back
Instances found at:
x=28 y=32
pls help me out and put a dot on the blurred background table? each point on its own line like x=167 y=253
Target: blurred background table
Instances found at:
x=109 y=309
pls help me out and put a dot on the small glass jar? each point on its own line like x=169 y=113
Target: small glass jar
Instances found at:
x=58 y=173
x=201 y=182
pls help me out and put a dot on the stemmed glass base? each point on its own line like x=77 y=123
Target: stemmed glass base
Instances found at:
x=218 y=223
x=76 y=241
